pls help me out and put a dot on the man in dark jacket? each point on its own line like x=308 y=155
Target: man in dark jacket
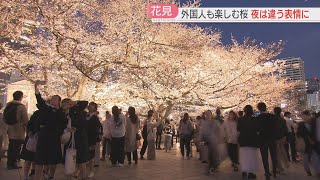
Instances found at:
x=268 y=127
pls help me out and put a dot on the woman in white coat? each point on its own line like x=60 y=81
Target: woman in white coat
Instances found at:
x=132 y=129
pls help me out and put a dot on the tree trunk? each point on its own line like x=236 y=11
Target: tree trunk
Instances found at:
x=81 y=85
x=165 y=109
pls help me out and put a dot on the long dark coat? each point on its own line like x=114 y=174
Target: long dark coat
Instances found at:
x=50 y=127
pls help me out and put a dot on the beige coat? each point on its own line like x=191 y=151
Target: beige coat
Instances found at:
x=18 y=130
x=131 y=143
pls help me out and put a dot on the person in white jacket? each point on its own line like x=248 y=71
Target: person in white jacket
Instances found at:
x=117 y=131
x=232 y=138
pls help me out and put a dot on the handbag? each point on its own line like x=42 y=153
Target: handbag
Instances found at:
x=65 y=137
x=32 y=143
x=71 y=156
x=138 y=136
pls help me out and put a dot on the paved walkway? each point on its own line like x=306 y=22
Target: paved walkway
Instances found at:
x=168 y=166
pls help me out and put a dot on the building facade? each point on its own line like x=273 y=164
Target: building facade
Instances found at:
x=313 y=84
x=313 y=100
x=16 y=82
x=313 y=94
x=294 y=72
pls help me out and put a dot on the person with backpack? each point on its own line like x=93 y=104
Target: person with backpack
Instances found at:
x=16 y=117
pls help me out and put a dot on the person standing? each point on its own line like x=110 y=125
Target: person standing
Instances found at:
x=248 y=128
x=3 y=131
x=151 y=137
x=97 y=152
x=232 y=139
x=78 y=115
x=167 y=136
x=159 y=136
x=173 y=125
x=268 y=139
x=305 y=132
x=16 y=116
x=106 y=142
x=93 y=130
x=50 y=127
x=132 y=130
x=196 y=134
x=27 y=155
x=291 y=137
x=210 y=135
x=186 y=130
x=282 y=132
x=117 y=129
x=144 y=133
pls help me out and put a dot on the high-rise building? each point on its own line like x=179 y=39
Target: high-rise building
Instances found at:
x=313 y=100
x=313 y=84
x=294 y=72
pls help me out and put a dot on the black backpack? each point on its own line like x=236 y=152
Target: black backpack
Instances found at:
x=144 y=132
x=10 y=113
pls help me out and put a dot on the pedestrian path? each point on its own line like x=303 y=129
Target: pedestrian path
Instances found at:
x=168 y=166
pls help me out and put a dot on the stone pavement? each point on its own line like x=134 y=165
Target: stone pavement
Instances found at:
x=168 y=166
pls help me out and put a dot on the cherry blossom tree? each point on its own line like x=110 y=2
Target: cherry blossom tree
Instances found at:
x=108 y=52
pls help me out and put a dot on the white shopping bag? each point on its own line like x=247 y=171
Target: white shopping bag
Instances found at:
x=32 y=143
x=71 y=156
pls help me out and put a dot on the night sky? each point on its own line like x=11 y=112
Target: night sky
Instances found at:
x=302 y=39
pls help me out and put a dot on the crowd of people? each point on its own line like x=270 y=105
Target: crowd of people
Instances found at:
x=245 y=133
x=59 y=126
